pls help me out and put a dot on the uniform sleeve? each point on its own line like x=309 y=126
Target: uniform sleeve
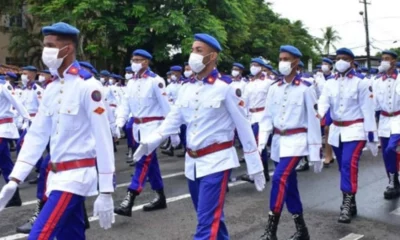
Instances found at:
x=17 y=105
x=35 y=143
x=161 y=94
x=97 y=115
x=375 y=84
x=234 y=105
x=366 y=103
x=123 y=110
x=323 y=101
x=266 y=122
x=314 y=139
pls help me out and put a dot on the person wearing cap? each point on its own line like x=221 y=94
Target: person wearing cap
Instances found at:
x=9 y=132
x=212 y=109
x=349 y=99
x=72 y=115
x=11 y=79
x=237 y=78
x=290 y=116
x=188 y=73
x=387 y=101
x=267 y=70
x=128 y=73
x=254 y=96
x=148 y=103
x=104 y=77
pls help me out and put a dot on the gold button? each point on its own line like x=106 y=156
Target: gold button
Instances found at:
x=197 y=93
x=62 y=81
x=59 y=101
x=56 y=132
x=197 y=100
x=61 y=91
x=69 y=111
x=197 y=109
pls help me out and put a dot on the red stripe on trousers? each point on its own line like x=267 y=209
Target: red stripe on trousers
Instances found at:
x=55 y=216
x=397 y=161
x=353 y=165
x=218 y=211
x=145 y=169
x=282 y=185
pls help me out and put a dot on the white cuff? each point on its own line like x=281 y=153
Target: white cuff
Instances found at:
x=253 y=162
x=21 y=170
x=106 y=182
x=315 y=152
x=153 y=141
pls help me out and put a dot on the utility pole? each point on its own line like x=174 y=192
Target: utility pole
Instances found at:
x=366 y=31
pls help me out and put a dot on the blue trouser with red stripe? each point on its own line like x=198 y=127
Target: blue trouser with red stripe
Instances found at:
x=208 y=196
x=147 y=166
x=6 y=163
x=62 y=217
x=348 y=155
x=129 y=134
x=41 y=185
x=264 y=154
x=284 y=186
x=182 y=135
x=390 y=157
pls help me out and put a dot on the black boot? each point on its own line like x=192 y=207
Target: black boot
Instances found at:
x=393 y=189
x=353 y=206
x=87 y=223
x=266 y=171
x=247 y=178
x=15 y=200
x=169 y=151
x=115 y=146
x=26 y=227
x=345 y=213
x=129 y=156
x=303 y=166
x=271 y=228
x=157 y=203
x=125 y=209
x=301 y=228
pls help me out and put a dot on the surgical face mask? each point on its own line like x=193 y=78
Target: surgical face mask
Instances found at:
x=255 y=70
x=50 y=57
x=385 y=66
x=196 y=62
x=111 y=81
x=173 y=78
x=235 y=73
x=342 y=66
x=24 y=79
x=188 y=73
x=102 y=80
x=128 y=75
x=41 y=78
x=285 y=68
x=325 y=68
x=136 y=67
x=168 y=80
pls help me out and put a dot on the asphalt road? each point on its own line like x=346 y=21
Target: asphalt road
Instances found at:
x=246 y=209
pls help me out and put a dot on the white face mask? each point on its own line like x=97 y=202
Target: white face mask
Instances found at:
x=385 y=66
x=173 y=78
x=128 y=75
x=168 y=80
x=102 y=80
x=255 y=70
x=196 y=62
x=50 y=57
x=285 y=68
x=41 y=78
x=136 y=67
x=342 y=66
x=188 y=73
x=325 y=68
x=111 y=81
x=24 y=80
x=235 y=73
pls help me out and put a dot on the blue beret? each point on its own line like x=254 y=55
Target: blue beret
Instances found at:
x=268 y=66
x=45 y=71
x=169 y=73
x=2 y=77
x=318 y=67
x=186 y=63
x=398 y=64
x=292 y=50
x=105 y=73
x=259 y=61
x=209 y=40
x=119 y=77
x=88 y=66
x=113 y=75
x=12 y=75
x=142 y=53
x=239 y=65
x=374 y=71
x=364 y=69
x=391 y=53
x=301 y=64
x=345 y=51
x=327 y=60
x=29 y=68
x=128 y=69
x=60 y=28
x=176 y=68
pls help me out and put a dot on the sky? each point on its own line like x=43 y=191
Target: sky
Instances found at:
x=344 y=16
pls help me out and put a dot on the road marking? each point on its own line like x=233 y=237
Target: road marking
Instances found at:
x=134 y=209
x=118 y=186
x=396 y=212
x=351 y=236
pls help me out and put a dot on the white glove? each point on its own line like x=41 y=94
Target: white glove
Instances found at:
x=117 y=133
x=140 y=152
x=259 y=180
x=7 y=192
x=175 y=140
x=373 y=147
x=261 y=147
x=120 y=122
x=318 y=166
x=104 y=208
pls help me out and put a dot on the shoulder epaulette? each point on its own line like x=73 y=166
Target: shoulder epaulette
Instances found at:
x=2 y=81
x=359 y=75
x=84 y=74
x=149 y=74
x=306 y=83
x=226 y=78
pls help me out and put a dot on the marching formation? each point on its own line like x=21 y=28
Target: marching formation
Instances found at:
x=64 y=122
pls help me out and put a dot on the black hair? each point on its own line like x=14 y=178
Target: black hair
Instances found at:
x=69 y=38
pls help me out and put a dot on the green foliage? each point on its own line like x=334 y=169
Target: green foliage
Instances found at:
x=396 y=50
x=112 y=29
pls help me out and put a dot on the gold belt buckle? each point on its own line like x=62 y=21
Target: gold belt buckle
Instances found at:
x=193 y=153
x=140 y=120
x=283 y=132
x=53 y=167
x=391 y=114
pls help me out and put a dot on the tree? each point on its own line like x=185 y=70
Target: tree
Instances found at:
x=329 y=38
x=396 y=50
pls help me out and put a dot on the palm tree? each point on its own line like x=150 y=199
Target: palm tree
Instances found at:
x=329 y=38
